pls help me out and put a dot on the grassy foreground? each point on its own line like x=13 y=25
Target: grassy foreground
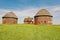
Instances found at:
x=29 y=32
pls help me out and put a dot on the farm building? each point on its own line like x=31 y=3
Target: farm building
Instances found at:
x=9 y=18
x=43 y=17
x=28 y=20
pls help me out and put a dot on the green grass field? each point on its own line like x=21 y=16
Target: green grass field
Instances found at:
x=29 y=32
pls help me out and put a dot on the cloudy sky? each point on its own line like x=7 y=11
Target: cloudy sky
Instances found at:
x=26 y=8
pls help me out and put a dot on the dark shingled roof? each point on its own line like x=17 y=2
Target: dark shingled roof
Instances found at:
x=28 y=19
x=10 y=14
x=43 y=12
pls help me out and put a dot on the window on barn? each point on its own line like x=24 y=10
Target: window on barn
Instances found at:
x=45 y=22
x=40 y=22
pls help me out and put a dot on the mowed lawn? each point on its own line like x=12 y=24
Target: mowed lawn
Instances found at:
x=29 y=32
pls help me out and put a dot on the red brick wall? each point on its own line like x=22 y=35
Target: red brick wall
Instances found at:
x=28 y=22
x=9 y=21
x=4 y=21
x=46 y=20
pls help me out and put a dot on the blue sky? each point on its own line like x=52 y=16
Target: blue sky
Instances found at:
x=21 y=4
x=25 y=8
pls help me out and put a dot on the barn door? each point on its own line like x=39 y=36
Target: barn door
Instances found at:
x=36 y=21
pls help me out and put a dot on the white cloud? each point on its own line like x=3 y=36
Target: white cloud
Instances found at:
x=26 y=12
x=29 y=12
x=54 y=10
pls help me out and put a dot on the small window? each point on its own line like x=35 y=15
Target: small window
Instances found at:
x=40 y=22
x=45 y=22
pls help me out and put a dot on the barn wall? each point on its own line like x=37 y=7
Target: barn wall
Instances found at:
x=45 y=20
x=28 y=22
x=4 y=21
x=9 y=21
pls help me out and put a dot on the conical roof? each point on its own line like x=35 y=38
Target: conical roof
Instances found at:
x=28 y=19
x=10 y=14
x=43 y=12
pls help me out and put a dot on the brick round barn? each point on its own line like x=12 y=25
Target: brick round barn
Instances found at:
x=9 y=18
x=28 y=20
x=43 y=17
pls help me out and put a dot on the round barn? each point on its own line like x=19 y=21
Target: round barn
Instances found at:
x=43 y=17
x=9 y=18
x=28 y=20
